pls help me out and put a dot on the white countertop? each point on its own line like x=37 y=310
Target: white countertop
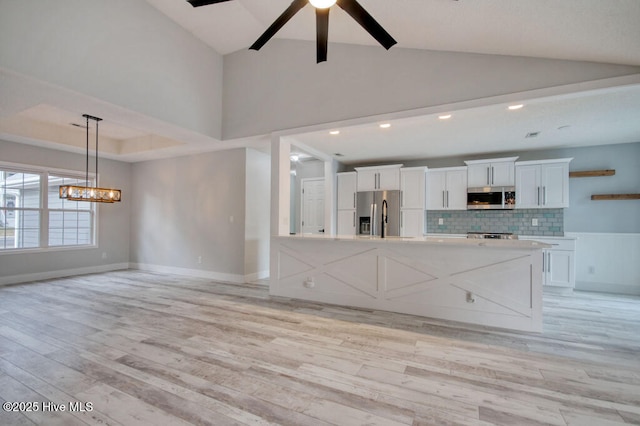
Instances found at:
x=465 y=242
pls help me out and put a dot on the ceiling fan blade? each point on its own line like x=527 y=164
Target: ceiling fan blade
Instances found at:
x=322 y=36
x=357 y=12
x=198 y=3
x=294 y=8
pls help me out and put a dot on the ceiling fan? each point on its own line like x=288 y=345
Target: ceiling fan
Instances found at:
x=352 y=7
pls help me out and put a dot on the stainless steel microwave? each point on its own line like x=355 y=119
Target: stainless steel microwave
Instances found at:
x=491 y=198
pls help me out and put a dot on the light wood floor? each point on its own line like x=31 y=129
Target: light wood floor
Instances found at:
x=165 y=350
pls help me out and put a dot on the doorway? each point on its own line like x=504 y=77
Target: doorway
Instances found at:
x=312 y=206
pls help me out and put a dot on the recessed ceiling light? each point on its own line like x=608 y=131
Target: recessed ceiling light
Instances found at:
x=334 y=132
x=444 y=117
x=515 y=107
x=385 y=125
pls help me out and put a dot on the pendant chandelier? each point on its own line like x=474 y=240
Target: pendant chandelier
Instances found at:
x=90 y=193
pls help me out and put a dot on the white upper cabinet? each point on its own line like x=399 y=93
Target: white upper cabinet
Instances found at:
x=494 y=172
x=447 y=189
x=412 y=185
x=542 y=184
x=347 y=190
x=379 y=178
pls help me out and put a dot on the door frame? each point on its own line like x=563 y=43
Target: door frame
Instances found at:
x=302 y=182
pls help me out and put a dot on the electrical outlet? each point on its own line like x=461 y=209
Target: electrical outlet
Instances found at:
x=534 y=222
x=440 y=221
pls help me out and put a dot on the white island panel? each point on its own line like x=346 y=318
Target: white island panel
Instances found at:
x=494 y=283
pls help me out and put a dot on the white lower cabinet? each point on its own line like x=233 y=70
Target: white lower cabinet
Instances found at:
x=558 y=262
x=412 y=222
x=560 y=266
x=346 y=222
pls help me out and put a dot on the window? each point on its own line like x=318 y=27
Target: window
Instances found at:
x=19 y=210
x=33 y=216
x=70 y=222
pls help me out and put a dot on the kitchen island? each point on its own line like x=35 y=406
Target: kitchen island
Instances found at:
x=487 y=282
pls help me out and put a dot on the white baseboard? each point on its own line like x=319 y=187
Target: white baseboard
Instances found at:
x=256 y=276
x=196 y=273
x=614 y=288
x=38 y=276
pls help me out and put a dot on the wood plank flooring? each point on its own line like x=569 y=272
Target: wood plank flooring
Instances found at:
x=151 y=349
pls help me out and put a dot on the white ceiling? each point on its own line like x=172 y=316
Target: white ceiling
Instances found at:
x=586 y=30
x=597 y=117
x=591 y=30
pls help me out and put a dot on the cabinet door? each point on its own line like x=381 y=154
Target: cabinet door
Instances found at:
x=412 y=186
x=560 y=268
x=389 y=179
x=555 y=185
x=346 y=222
x=412 y=222
x=456 y=190
x=478 y=175
x=528 y=187
x=436 y=190
x=347 y=190
x=502 y=174
x=367 y=180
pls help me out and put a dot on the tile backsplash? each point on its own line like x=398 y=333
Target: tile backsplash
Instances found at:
x=550 y=221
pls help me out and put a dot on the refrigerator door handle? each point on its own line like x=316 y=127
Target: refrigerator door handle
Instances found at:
x=374 y=229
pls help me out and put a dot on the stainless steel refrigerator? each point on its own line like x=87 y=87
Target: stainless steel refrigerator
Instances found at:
x=369 y=213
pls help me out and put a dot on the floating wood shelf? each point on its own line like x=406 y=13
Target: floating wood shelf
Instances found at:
x=592 y=173
x=616 y=197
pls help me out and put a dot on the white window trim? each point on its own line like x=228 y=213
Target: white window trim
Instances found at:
x=44 y=173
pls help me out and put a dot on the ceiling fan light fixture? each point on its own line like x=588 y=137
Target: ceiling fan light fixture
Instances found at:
x=322 y=4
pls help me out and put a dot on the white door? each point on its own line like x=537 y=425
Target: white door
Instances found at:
x=412 y=187
x=554 y=182
x=527 y=187
x=478 y=175
x=502 y=174
x=560 y=268
x=435 y=191
x=456 y=195
x=367 y=180
x=347 y=190
x=346 y=222
x=312 y=206
x=389 y=179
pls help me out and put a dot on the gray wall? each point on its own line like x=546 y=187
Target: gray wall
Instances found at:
x=257 y=218
x=584 y=215
x=113 y=219
x=183 y=210
x=125 y=52
x=281 y=86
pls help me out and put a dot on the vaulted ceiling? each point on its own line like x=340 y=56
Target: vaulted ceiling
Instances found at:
x=602 y=31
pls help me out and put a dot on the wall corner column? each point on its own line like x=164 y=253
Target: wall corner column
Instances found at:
x=280 y=186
